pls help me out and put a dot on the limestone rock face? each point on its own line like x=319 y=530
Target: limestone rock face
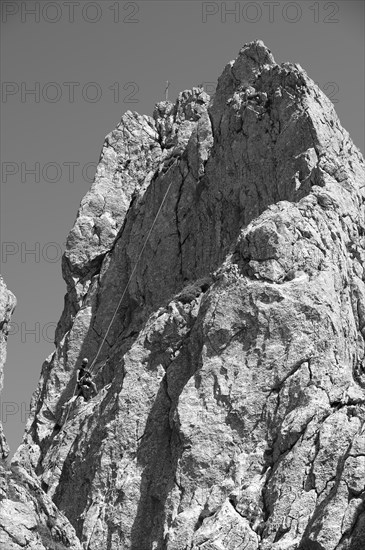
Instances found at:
x=216 y=283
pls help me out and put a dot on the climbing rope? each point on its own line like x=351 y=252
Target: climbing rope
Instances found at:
x=117 y=308
x=140 y=254
x=131 y=275
x=136 y=264
x=125 y=289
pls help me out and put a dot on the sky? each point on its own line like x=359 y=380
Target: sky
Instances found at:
x=70 y=69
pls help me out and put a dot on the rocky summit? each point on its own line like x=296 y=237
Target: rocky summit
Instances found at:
x=215 y=281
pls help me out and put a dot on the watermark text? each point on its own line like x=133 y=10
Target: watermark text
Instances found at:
x=271 y=12
x=32 y=332
x=25 y=252
x=48 y=172
x=70 y=12
x=68 y=91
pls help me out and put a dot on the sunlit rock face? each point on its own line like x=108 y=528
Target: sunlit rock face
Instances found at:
x=215 y=282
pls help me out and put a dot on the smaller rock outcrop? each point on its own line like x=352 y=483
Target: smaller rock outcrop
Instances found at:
x=7 y=305
x=28 y=518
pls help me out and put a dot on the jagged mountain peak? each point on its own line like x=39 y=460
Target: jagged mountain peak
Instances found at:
x=216 y=284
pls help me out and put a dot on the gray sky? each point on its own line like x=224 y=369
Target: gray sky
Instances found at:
x=88 y=63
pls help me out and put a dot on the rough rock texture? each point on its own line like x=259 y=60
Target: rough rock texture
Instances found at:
x=231 y=382
x=28 y=518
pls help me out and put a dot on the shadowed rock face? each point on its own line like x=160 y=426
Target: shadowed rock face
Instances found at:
x=231 y=383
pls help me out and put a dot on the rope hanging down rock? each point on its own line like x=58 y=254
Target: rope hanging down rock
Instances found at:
x=131 y=276
x=118 y=305
x=134 y=269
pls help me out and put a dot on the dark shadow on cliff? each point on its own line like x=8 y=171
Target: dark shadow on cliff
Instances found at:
x=158 y=453
x=155 y=456
x=82 y=464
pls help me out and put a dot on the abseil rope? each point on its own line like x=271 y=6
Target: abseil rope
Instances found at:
x=131 y=275
x=120 y=300
x=139 y=256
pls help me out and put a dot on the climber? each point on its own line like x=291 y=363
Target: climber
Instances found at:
x=82 y=369
x=86 y=386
